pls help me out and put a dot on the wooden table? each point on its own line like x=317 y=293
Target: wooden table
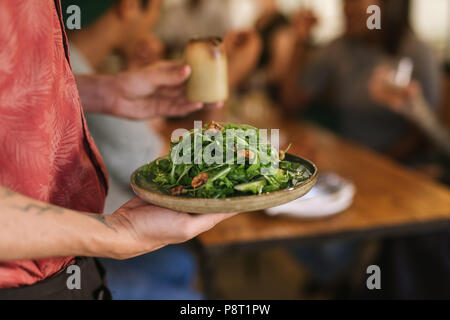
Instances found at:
x=390 y=199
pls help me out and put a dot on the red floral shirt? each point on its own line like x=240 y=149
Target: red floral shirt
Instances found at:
x=46 y=151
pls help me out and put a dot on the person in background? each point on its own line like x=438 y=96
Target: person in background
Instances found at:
x=409 y=102
x=52 y=179
x=123 y=27
x=280 y=35
x=340 y=72
x=414 y=267
x=257 y=97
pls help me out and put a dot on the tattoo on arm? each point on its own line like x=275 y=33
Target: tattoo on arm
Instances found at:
x=6 y=193
x=40 y=209
x=100 y=218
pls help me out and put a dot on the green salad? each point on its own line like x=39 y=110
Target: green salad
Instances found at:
x=222 y=160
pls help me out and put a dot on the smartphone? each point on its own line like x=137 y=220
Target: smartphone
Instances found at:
x=404 y=71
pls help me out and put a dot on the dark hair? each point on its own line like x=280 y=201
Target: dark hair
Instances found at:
x=144 y=3
x=193 y=4
x=395 y=24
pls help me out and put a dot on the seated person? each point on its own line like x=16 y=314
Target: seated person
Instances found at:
x=408 y=101
x=341 y=71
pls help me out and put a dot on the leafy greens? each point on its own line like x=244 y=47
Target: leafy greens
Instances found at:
x=247 y=164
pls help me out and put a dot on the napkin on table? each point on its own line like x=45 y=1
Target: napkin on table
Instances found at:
x=331 y=194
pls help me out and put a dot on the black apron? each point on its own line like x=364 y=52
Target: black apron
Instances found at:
x=93 y=285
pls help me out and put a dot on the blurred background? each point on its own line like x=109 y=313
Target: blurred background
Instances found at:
x=381 y=95
x=429 y=21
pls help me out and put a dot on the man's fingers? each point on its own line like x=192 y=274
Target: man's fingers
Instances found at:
x=176 y=107
x=204 y=222
x=216 y=105
x=167 y=106
x=172 y=91
x=168 y=73
x=182 y=107
x=156 y=106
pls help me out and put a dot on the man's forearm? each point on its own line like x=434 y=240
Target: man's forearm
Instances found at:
x=31 y=229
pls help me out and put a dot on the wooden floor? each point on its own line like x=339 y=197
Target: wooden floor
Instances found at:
x=268 y=274
x=273 y=273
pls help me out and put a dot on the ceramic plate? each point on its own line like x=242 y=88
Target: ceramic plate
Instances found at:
x=149 y=191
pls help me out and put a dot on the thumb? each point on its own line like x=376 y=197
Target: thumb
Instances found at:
x=205 y=222
x=413 y=90
x=168 y=73
x=134 y=203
